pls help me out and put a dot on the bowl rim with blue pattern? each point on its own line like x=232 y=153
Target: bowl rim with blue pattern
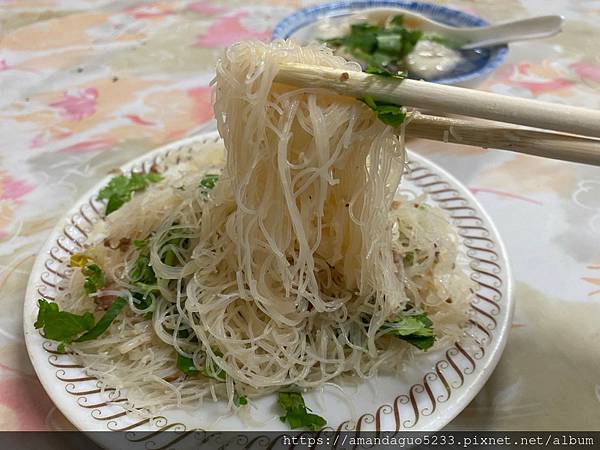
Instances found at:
x=491 y=58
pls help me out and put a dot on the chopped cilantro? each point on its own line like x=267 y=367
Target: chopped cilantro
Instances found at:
x=94 y=278
x=169 y=257
x=210 y=369
x=240 y=400
x=186 y=365
x=209 y=181
x=408 y=259
x=213 y=370
x=182 y=334
x=61 y=325
x=384 y=47
x=142 y=272
x=363 y=36
x=118 y=191
x=140 y=244
x=143 y=277
x=397 y=20
x=296 y=412
x=409 y=41
x=415 y=329
x=67 y=327
x=388 y=113
x=375 y=70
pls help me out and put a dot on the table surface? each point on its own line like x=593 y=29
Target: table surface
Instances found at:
x=88 y=85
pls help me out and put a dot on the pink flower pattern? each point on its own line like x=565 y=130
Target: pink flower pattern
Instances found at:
x=27 y=401
x=11 y=189
x=204 y=7
x=90 y=145
x=586 y=70
x=228 y=30
x=149 y=11
x=138 y=120
x=202 y=109
x=79 y=105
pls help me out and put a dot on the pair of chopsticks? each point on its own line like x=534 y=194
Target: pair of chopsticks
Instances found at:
x=554 y=131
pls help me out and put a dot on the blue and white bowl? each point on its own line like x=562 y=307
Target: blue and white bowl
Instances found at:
x=480 y=62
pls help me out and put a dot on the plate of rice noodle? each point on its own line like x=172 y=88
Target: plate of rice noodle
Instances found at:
x=296 y=270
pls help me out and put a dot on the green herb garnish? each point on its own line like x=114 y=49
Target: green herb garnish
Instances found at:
x=415 y=329
x=94 y=278
x=142 y=272
x=168 y=256
x=388 y=113
x=211 y=369
x=143 y=277
x=102 y=325
x=363 y=36
x=240 y=400
x=118 y=191
x=140 y=244
x=182 y=334
x=384 y=73
x=397 y=20
x=67 y=327
x=384 y=47
x=209 y=181
x=186 y=365
x=61 y=325
x=296 y=412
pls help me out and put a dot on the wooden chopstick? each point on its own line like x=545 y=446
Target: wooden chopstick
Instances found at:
x=446 y=99
x=505 y=137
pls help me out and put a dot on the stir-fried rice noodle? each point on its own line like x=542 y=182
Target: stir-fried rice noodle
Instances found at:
x=287 y=269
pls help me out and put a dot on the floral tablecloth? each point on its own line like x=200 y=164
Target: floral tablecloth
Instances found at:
x=88 y=85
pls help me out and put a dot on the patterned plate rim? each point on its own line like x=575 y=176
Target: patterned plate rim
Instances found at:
x=459 y=368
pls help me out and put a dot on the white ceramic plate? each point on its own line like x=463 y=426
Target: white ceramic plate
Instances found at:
x=432 y=391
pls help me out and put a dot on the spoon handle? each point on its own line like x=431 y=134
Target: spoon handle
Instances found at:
x=535 y=27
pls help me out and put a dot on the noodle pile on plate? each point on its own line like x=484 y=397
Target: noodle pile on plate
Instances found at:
x=297 y=267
